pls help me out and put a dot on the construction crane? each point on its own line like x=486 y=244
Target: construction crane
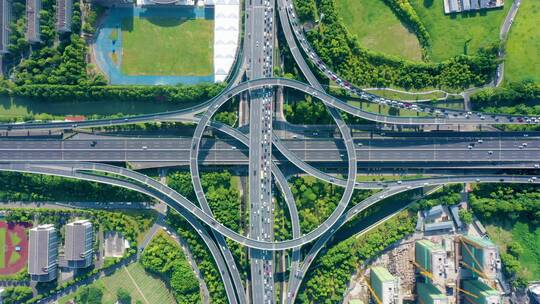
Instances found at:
x=373 y=293
x=469 y=296
x=479 y=272
x=467 y=292
x=423 y=271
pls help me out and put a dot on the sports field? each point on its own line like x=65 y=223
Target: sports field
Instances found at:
x=523 y=45
x=13 y=248
x=378 y=29
x=141 y=286
x=452 y=35
x=167 y=46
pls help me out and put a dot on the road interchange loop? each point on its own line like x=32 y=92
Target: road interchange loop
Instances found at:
x=339 y=216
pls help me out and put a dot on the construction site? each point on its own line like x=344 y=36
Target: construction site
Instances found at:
x=443 y=262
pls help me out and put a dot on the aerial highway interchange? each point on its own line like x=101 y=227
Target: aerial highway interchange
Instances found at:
x=266 y=155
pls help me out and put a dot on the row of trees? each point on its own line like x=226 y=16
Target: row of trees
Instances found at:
x=16 y=294
x=311 y=111
x=343 y=53
x=307 y=112
x=520 y=98
x=224 y=200
x=316 y=200
x=509 y=95
x=60 y=92
x=93 y=294
x=448 y=195
x=327 y=281
x=33 y=187
x=500 y=201
x=406 y=13
x=306 y=10
x=18 y=45
x=165 y=258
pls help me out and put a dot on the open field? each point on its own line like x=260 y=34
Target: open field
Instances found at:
x=523 y=45
x=141 y=285
x=452 y=35
x=529 y=239
x=385 y=110
x=407 y=96
x=378 y=29
x=167 y=47
x=387 y=177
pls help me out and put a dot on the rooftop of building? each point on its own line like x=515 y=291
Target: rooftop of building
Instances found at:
x=439 y=226
x=480 y=242
x=429 y=245
x=434 y=211
x=81 y=222
x=43 y=227
x=382 y=273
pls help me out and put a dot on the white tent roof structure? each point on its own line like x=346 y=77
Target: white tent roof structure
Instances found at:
x=226 y=33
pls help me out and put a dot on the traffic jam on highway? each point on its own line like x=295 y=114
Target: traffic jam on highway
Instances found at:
x=266 y=184
x=268 y=36
x=315 y=59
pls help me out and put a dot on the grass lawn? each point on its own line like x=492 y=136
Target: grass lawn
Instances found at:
x=460 y=33
x=523 y=46
x=167 y=46
x=385 y=110
x=3 y=232
x=137 y=282
x=15 y=256
x=378 y=29
x=405 y=96
x=15 y=239
x=387 y=177
x=528 y=237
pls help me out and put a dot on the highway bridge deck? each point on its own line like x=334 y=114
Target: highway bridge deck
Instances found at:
x=314 y=150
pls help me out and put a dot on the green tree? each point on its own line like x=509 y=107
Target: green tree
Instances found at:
x=123 y=296
x=466 y=216
x=89 y=295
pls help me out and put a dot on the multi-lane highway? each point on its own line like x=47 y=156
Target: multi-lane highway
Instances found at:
x=226 y=151
x=260 y=65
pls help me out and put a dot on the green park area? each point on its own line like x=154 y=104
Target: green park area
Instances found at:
x=510 y=213
x=461 y=33
x=167 y=46
x=528 y=238
x=143 y=287
x=523 y=46
x=378 y=29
